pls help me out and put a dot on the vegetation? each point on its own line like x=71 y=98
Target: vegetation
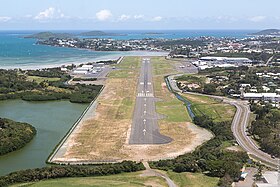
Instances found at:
x=48 y=35
x=210 y=158
x=14 y=135
x=268 y=32
x=203 y=105
x=255 y=57
x=193 y=179
x=44 y=85
x=266 y=128
x=119 y=180
x=54 y=172
x=50 y=73
x=227 y=81
x=100 y=33
x=84 y=79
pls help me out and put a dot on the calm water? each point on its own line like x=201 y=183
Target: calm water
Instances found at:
x=51 y=119
x=17 y=52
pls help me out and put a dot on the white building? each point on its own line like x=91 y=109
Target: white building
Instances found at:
x=261 y=96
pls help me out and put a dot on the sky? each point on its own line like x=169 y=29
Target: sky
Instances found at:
x=138 y=15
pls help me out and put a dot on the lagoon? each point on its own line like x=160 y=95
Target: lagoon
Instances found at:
x=52 y=120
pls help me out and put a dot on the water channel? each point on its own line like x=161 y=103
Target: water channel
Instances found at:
x=52 y=120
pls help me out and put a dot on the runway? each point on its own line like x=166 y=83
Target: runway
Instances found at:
x=145 y=128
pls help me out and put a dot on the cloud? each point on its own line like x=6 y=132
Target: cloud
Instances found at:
x=5 y=19
x=257 y=18
x=50 y=13
x=138 y=16
x=124 y=17
x=104 y=15
x=157 y=18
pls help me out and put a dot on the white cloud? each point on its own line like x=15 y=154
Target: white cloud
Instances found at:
x=138 y=16
x=257 y=18
x=104 y=15
x=124 y=17
x=50 y=13
x=5 y=19
x=157 y=18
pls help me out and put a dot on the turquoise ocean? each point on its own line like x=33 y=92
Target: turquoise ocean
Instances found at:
x=18 y=52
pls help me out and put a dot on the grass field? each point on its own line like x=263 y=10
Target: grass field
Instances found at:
x=162 y=66
x=203 y=105
x=128 y=68
x=192 y=179
x=41 y=79
x=120 y=180
x=130 y=63
x=103 y=136
x=170 y=106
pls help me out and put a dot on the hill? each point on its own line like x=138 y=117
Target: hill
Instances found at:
x=47 y=35
x=275 y=32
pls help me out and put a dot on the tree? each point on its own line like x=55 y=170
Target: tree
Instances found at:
x=209 y=88
x=2 y=123
x=259 y=173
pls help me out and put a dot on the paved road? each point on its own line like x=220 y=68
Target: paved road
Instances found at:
x=269 y=60
x=145 y=119
x=153 y=172
x=239 y=128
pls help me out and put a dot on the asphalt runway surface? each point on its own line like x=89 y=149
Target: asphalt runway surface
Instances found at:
x=145 y=128
x=186 y=67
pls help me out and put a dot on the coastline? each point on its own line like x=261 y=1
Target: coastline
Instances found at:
x=33 y=66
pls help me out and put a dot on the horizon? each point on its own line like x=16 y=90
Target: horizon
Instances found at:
x=144 y=15
x=46 y=30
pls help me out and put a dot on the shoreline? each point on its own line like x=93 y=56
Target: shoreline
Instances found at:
x=34 y=66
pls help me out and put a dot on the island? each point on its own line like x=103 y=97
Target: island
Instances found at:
x=14 y=135
x=272 y=32
x=47 y=35
x=100 y=33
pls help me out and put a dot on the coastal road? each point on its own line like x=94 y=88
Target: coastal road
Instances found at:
x=145 y=128
x=239 y=127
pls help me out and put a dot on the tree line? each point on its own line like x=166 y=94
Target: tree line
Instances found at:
x=14 y=85
x=53 y=172
x=266 y=128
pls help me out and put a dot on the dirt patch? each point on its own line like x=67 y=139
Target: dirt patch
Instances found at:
x=235 y=148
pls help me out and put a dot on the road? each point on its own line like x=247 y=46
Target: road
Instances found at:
x=152 y=172
x=239 y=127
x=269 y=60
x=145 y=128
